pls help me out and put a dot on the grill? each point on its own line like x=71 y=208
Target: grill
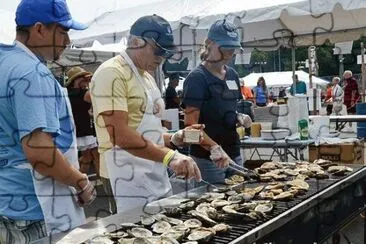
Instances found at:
x=344 y=197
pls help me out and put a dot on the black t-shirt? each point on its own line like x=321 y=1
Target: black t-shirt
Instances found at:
x=217 y=101
x=170 y=94
x=80 y=110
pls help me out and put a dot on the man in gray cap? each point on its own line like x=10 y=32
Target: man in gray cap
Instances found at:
x=135 y=151
x=42 y=190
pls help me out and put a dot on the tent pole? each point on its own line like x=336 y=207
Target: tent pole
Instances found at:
x=363 y=71
x=194 y=48
x=293 y=70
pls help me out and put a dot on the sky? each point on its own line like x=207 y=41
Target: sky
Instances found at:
x=85 y=10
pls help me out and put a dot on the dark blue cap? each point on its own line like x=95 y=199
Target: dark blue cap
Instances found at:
x=30 y=12
x=157 y=29
x=224 y=34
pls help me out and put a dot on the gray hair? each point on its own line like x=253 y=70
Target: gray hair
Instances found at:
x=347 y=72
x=336 y=78
x=130 y=40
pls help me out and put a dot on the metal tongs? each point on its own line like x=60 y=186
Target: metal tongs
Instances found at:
x=242 y=170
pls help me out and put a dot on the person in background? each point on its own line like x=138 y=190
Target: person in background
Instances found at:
x=261 y=93
x=328 y=98
x=42 y=192
x=337 y=96
x=351 y=94
x=171 y=97
x=246 y=92
x=210 y=95
x=300 y=87
x=127 y=106
x=78 y=89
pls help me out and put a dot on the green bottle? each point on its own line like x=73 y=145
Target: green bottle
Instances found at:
x=303 y=129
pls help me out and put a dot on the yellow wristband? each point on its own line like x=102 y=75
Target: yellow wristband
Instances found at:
x=168 y=157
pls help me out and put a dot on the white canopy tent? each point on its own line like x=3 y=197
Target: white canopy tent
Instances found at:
x=281 y=79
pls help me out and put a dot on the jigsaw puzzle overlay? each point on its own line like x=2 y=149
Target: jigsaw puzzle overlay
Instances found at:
x=33 y=100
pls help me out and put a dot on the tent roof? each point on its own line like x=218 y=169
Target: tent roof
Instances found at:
x=284 y=78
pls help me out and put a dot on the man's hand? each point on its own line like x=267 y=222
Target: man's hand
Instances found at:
x=86 y=194
x=177 y=137
x=219 y=156
x=183 y=165
x=244 y=120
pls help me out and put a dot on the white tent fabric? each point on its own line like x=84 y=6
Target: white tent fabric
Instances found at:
x=281 y=79
x=7 y=26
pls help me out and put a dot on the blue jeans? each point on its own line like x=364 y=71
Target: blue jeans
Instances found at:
x=213 y=174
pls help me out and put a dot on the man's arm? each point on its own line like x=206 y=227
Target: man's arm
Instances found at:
x=47 y=160
x=129 y=139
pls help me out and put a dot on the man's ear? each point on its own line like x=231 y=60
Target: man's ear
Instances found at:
x=38 y=29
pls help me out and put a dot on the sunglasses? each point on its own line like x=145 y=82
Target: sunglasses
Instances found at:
x=161 y=51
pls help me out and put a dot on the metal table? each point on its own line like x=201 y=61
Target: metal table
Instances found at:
x=341 y=120
x=281 y=148
x=303 y=220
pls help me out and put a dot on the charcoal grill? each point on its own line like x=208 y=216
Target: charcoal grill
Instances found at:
x=310 y=218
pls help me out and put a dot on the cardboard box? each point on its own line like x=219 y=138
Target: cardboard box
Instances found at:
x=347 y=153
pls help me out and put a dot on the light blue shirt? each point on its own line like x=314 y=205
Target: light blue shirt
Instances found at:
x=30 y=99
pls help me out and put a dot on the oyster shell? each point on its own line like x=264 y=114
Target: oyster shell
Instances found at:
x=284 y=196
x=290 y=172
x=223 y=189
x=205 y=208
x=218 y=203
x=125 y=226
x=339 y=170
x=267 y=166
x=161 y=227
x=238 y=198
x=139 y=232
x=147 y=220
x=167 y=240
x=266 y=195
x=321 y=174
x=187 y=206
x=173 y=221
x=175 y=234
x=232 y=210
x=159 y=216
x=129 y=241
x=299 y=184
x=231 y=193
x=203 y=217
x=192 y=223
x=201 y=234
x=100 y=240
x=272 y=186
x=173 y=212
x=276 y=191
x=279 y=176
x=264 y=208
x=221 y=228
x=115 y=236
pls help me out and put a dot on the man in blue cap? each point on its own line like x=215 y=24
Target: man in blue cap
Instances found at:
x=127 y=107
x=42 y=190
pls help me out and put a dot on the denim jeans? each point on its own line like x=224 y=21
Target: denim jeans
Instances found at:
x=213 y=174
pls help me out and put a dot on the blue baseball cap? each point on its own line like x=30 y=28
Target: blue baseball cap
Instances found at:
x=224 y=34
x=158 y=29
x=30 y=12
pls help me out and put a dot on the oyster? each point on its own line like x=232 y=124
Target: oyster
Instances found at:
x=125 y=226
x=276 y=191
x=210 y=196
x=139 y=232
x=231 y=193
x=223 y=189
x=302 y=177
x=230 y=182
x=324 y=163
x=238 y=198
x=284 y=196
x=161 y=227
x=205 y=208
x=175 y=234
x=173 y=221
x=201 y=234
x=272 y=186
x=266 y=195
x=264 y=208
x=232 y=210
x=221 y=228
x=100 y=240
x=203 y=217
x=279 y=176
x=129 y=241
x=173 y=212
x=218 y=203
x=339 y=170
x=167 y=240
x=300 y=184
x=321 y=174
x=253 y=215
x=159 y=216
x=290 y=172
x=147 y=220
x=267 y=166
x=192 y=223
x=115 y=236
x=187 y=206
